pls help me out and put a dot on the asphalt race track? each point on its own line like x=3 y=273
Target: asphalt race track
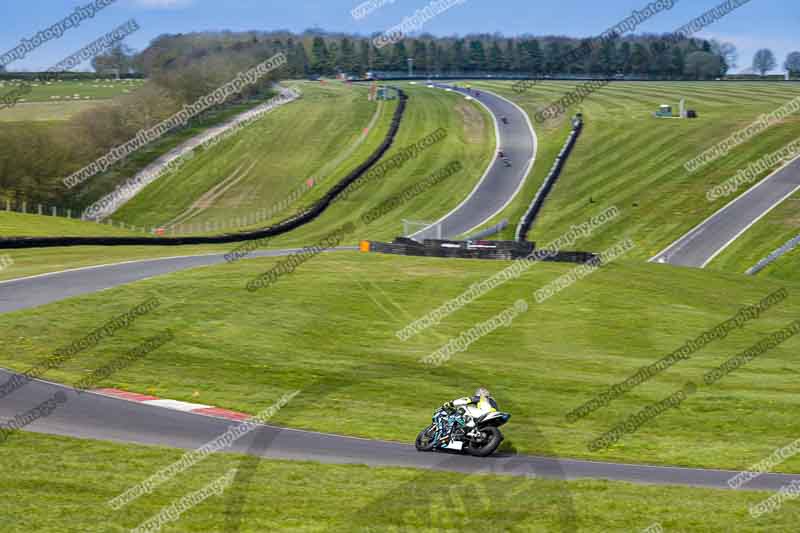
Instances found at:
x=707 y=240
x=500 y=184
x=91 y=416
x=29 y=292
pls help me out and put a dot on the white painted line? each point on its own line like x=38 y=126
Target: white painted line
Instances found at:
x=480 y=181
x=176 y=405
x=491 y=165
x=530 y=162
x=743 y=195
x=152 y=259
x=762 y=215
x=255 y=254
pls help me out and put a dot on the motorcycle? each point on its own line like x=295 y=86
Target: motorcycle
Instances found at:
x=453 y=431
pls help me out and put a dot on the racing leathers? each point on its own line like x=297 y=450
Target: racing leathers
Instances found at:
x=470 y=408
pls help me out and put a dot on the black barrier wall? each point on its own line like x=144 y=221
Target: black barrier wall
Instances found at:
x=538 y=201
x=504 y=250
x=278 y=229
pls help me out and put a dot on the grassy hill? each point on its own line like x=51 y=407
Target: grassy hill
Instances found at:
x=628 y=158
x=766 y=236
x=260 y=165
x=329 y=330
x=470 y=142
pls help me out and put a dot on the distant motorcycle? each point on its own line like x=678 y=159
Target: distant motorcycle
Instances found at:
x=454 y=431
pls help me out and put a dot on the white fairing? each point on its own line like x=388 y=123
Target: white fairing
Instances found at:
x=492 y=416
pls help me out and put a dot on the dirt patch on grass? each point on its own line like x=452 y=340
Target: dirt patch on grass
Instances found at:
x=474 y=123
x=211 y=197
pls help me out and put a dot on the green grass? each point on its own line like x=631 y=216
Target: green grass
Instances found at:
x=328 y=329
x=35 y=261
x=73 y=90
x=550 y=139
x=102 y=184
x=77 y=477
x=60 y=100
x=34 y=225
x=628 y=158
x=470 y=141
x=767 y=235
x=785 y=268
x=270 y=142
x=271 y=157
x=45 y=112
x=286 y=147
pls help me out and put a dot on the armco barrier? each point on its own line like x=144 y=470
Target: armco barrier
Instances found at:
x=488 y=232
x=530 y=215
x=278 y=229
x=774 y=256
x=506 y=250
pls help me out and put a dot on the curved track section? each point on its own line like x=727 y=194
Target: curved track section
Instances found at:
x=710 y=238
x=500 y=184
x=24 y=293
x=280 y=228
x=88 y=415
x=92 y=416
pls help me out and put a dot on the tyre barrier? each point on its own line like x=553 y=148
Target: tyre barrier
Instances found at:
x=278 y=229
x=498 y=250
x=530 y=215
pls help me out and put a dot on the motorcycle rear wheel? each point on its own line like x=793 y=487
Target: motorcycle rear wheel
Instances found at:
x=492 y=439
x=425 y=442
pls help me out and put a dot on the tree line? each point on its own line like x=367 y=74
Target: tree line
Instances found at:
x=34 y=158
x=317 y=53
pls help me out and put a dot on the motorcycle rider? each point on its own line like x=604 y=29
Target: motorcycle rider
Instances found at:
x=471 y=407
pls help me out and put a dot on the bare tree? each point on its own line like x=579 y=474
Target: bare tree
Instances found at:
x=764 y=61
x=792 y=63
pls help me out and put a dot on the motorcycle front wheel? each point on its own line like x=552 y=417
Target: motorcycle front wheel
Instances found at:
x=425 y=442
x=491 y=440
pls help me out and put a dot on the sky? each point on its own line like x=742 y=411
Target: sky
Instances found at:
x=758 y=24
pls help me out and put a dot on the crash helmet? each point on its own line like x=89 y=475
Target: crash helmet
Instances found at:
x=483 y=392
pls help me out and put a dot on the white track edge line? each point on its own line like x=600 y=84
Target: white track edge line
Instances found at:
x=107 y=265
x=483 y=177
x=750 y=225
x=154 y=259
x=718 y=211
x=528 y=169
